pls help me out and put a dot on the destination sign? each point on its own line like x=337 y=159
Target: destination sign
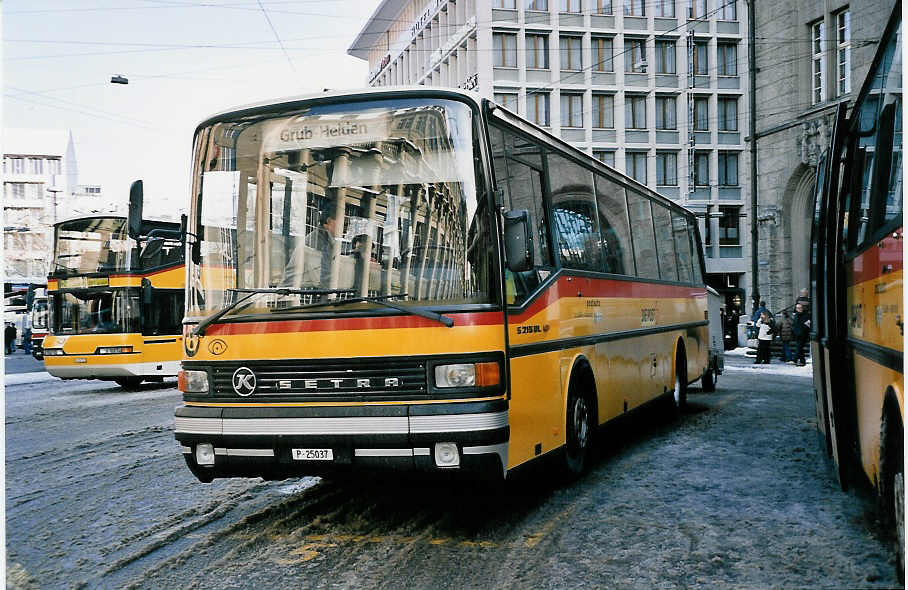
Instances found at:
x=322 y=133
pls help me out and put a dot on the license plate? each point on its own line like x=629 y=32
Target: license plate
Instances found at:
x=313 y=454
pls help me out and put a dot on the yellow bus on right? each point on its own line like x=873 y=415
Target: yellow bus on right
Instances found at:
x=857 y=317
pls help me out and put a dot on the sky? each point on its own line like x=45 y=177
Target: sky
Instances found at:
x=185 y=60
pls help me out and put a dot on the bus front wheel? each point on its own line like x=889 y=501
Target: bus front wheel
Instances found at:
x=892 y=488
x=680 y=392
x=579 y=432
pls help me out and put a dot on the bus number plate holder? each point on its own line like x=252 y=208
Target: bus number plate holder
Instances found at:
x=312 y=454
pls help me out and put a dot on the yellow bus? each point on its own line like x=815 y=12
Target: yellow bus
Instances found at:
x=856 y=278
x=115 y=301
x=420 y=279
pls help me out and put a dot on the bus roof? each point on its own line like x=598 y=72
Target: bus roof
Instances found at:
x=336 y=95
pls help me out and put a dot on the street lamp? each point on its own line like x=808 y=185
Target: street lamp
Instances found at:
x=119 y=79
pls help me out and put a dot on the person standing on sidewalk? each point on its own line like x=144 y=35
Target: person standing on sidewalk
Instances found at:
x=764 y=338
x=786 y=335
x=800 y=327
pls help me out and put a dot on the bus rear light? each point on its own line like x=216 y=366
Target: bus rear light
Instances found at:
x=467 y=375
x=114 y=350
x=54 y=352
x=192 y=381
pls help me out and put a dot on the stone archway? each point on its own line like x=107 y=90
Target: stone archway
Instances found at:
x=799 y=207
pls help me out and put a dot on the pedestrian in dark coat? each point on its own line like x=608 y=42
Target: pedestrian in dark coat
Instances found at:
x=800 y=327
x=786 y=334
x=9 y=335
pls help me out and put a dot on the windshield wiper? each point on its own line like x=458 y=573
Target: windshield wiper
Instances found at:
x=203 y=325
x=382 y=300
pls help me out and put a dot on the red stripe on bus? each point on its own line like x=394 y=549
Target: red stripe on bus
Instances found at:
x=876 y=261
x=338 y=324
x=594 y=287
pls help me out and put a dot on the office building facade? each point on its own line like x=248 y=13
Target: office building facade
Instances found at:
x=653 y=89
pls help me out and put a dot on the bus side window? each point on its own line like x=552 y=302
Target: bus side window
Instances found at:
x=617 y=251
x=641 y=217
x=665 y=243
x=682 y=247
x=517 y=164
x=574 y=214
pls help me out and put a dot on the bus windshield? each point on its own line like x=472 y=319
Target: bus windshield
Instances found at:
x=362 y=199
x=97 y=311
x=92 y=245
x=39 y=314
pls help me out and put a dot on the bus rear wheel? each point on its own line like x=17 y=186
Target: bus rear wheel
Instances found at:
x=892 y=488
x=679 y=394
x=708 y=380
x=128 y=382
x=579 y=433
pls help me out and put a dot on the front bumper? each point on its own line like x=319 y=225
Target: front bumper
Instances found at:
x=257 y=441
x=97 y=367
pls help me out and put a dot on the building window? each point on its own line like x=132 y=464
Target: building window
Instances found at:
x=635 y=55
x=843 y=51
x=634 y=8
x=36 y=166
x=634 y=112
x=33 y=190
x=607 y=157
x=538 y=108
x=665 y=57
x=603 y=111
x=729 y=226
x=539 y=5
x=728 y=168
x=666 y=112
x=701 y=59
x=818 y=41
x=727 y=56
x=635 y=163
x=572 y=110
x=697 y=8
x=667 y=168
x=537 y=52
x=728 y=10
x=507 y=99
x=505 y=50
x=54 y=166
x=569 y=6
x=602 y=54
x=511 y=4
x=665 y=8
x=728 y=114
x=701 y=169
x=17 y=165
x=570 y=53
x=602 y=7
x=16 y=190
x=701 y=113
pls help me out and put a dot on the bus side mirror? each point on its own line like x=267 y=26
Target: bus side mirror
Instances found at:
x=134 y=221
x=518 y=240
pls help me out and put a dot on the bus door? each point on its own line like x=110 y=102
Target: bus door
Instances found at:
x=817 y=294
x=535 y=372
x=835 y=326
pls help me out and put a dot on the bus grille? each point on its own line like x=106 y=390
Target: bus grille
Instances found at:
x=335 y=379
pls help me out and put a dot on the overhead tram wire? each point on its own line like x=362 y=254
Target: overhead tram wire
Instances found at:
x=278 y=37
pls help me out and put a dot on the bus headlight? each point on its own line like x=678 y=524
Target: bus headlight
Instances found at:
x=54 y=352
x=192 y=381
x=114 y=350
x=467 y=375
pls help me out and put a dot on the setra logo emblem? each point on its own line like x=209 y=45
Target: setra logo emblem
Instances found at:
x=243 y=381
x=217 y=347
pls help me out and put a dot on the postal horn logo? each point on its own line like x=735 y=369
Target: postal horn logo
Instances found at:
x=243 y=381
x=217 y=347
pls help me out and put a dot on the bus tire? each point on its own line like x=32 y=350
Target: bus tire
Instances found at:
x=580 y=427
x=708 y=380
x=128 y=382
x=679 y=394
x=892 y=484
